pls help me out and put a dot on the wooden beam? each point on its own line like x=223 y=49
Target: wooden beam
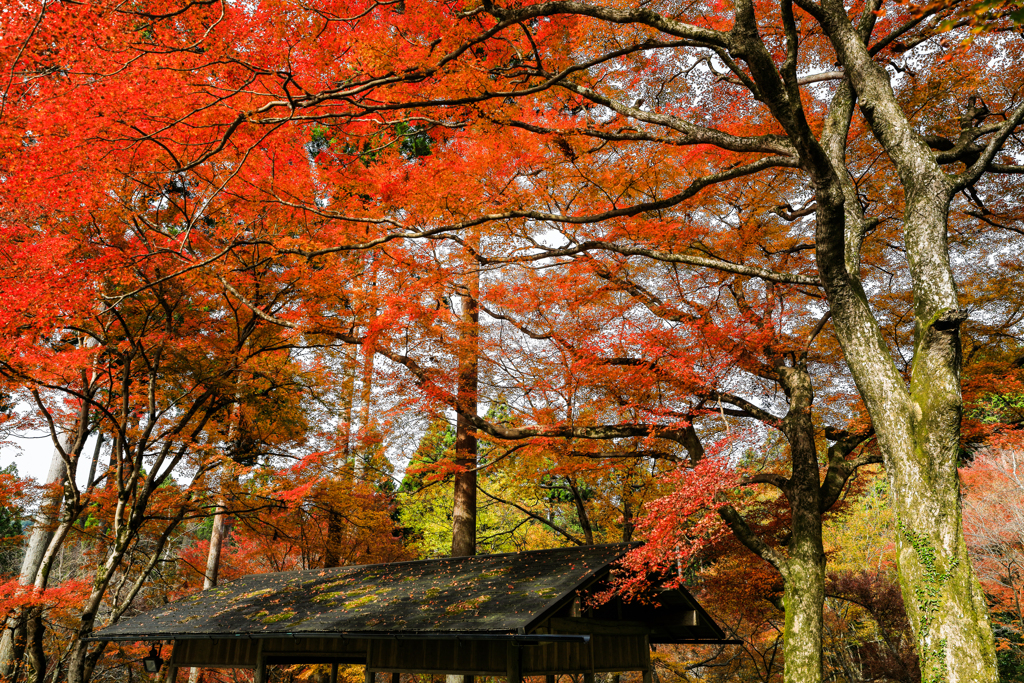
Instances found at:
x=598 y=626
x=334 y=672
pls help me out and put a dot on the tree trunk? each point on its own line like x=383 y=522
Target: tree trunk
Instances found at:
x=803 y=565
x=464 y=503
x=581 y=511
x=918 y=426
x=365 y=417
x=39 y=539
x=804 y=590
x=213 y=562
x=336 y=530
x=464 y=506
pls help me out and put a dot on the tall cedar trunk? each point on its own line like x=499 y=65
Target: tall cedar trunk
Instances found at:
x=464 y=503
x=365 y=415
x=335 y=521
x=11 y=643
x=213 y=561
x=464 y=506
x=918 y=426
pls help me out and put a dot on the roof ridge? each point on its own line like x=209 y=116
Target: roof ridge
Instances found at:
x=455 y=559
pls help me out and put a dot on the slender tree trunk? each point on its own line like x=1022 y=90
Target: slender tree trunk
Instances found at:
x=90 y=482
x=336 y=530
x=348 y=397
x=803 y=565
x=11 y=646
x=464 y=503
x=581 y=512
x=213 y=562
x=365 y=416
x=464 y=508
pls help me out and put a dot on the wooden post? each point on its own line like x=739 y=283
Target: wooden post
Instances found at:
x=172 y=669
x=368 y=674
x=588 y=676
x=334 y=672
x=515 y=674
x=648 y=665
x=396 y=677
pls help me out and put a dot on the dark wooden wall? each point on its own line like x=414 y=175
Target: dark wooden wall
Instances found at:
x=469 y=657
x=602 y=653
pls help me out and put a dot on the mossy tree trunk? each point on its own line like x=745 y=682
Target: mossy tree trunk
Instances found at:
x=802 y=562
x=918 y=426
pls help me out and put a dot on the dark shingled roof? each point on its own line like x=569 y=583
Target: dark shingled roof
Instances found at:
x=482 y=594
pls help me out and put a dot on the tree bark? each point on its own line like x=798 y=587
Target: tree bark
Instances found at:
x=363 y=455
x=804 y=591
x=464 y=506
x=918 y=426
x=39 y=539
x=802 y=566
x=464 y=502
x=336 y=530
x=212 y=562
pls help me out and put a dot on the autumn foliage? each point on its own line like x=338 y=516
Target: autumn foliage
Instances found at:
x=241 y=240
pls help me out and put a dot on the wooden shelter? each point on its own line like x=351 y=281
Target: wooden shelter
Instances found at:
x=511 y=615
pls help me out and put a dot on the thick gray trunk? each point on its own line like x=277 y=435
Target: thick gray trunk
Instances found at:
x=804 y=599
x=918 y=427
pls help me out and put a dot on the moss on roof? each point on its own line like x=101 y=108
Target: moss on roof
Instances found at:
x=483 y=594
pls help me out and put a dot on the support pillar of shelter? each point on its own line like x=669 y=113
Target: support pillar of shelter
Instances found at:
x=648 y=669
x=514 y=663
x=172 y=668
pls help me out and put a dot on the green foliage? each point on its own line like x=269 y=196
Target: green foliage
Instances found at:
x=425 y=498
x=1010 y=655
x=995 y=408
x=12 y=519
x=414 y=142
